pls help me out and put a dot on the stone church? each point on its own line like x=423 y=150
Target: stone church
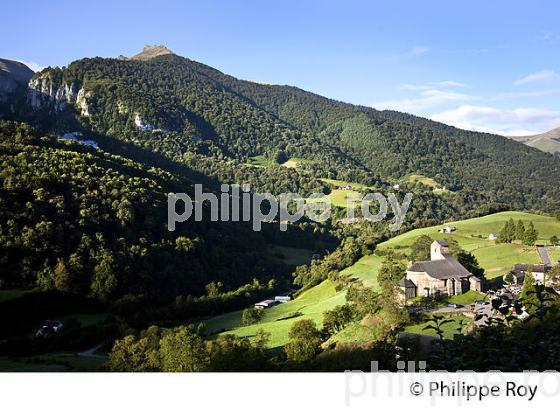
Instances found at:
x=442 y=275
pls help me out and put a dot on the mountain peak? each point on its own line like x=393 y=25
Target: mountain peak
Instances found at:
x=150 y=52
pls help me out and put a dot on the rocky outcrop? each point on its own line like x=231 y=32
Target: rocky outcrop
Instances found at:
x=141 y=125
x=150 y=52
x=43 y=93
x=13 y=78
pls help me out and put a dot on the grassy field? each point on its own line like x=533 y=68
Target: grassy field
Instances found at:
x=471 y=234
x=466 y=298
x=278 y=319
x=422 y=179
x=554 y=253
x=294 y=162
x=449 y=329
x=260 y=161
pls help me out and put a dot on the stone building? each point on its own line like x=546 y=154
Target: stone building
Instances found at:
x=442 y=275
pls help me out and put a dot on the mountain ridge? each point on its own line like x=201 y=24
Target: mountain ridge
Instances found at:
x=547 y=141
x=195 y=105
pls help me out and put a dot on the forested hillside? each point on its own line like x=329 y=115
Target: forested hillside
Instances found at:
x=82 y=221
x=194 y=112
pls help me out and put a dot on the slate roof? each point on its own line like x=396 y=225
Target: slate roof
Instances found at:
x=441 y=269
x=522 y=267
x=406 y=283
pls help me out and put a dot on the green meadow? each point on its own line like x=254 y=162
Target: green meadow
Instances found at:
x=421 y=179
x=471 y=235
x=278 y=319
x=457 y=324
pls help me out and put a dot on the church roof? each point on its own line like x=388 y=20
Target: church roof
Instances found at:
x=441 y=269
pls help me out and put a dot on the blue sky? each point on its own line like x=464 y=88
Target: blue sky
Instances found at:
x=487 y=65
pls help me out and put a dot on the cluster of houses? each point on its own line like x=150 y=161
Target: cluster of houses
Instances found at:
x=537 y=270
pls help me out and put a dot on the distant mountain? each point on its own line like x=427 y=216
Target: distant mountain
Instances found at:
x=150 y=52
x=548 y=141
x=13 y=78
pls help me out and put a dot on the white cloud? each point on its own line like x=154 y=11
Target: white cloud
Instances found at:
x=32 y=65
x=426 y=96
x=418 y=50
x=431 y=85
x=426 y=99
x=449 y=83
x=529 y=94
x=519 y=121
x=540 y=76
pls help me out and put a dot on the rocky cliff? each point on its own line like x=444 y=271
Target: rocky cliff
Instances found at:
x=43 y=92
x=13 y=79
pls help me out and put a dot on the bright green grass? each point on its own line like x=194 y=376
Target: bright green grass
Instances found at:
x=366 y=270
x=354 y=333
x=422 y=179
x=449 y=329
x=293 y=256
x=496 y=259
x=466 y=298
x=310 y=304
x=340 y=198
x=472 y=236
x=554 y=253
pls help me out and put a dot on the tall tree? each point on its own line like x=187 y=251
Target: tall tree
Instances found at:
x=469 y=261
x=520 y=230
x=531 y=235
x=507 y=234
x=183 y=350
x=420 y=249
x=305 y=341
x=62 y=277
x=528 y=296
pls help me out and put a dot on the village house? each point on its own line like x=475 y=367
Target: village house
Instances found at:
x=442 y=275
x=448 y=229
x=538 y=270
x=493 y=236
x=265 y=304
